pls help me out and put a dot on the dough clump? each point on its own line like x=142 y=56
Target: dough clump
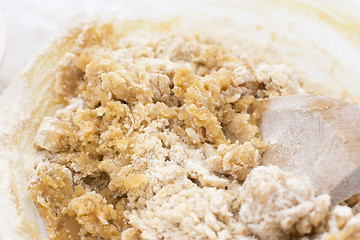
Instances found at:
x=154 y=141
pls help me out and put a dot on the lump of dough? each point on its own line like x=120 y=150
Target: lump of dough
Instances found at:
x=279 y=205
x=343 y=225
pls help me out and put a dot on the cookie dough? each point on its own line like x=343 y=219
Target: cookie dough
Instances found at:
x=154 y=138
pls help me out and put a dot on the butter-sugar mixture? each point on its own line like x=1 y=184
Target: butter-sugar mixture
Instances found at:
x=155 y=139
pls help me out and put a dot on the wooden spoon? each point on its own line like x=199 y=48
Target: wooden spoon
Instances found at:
x=317 y=136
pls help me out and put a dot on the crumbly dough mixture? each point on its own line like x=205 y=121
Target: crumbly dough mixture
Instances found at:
x=156 y=141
